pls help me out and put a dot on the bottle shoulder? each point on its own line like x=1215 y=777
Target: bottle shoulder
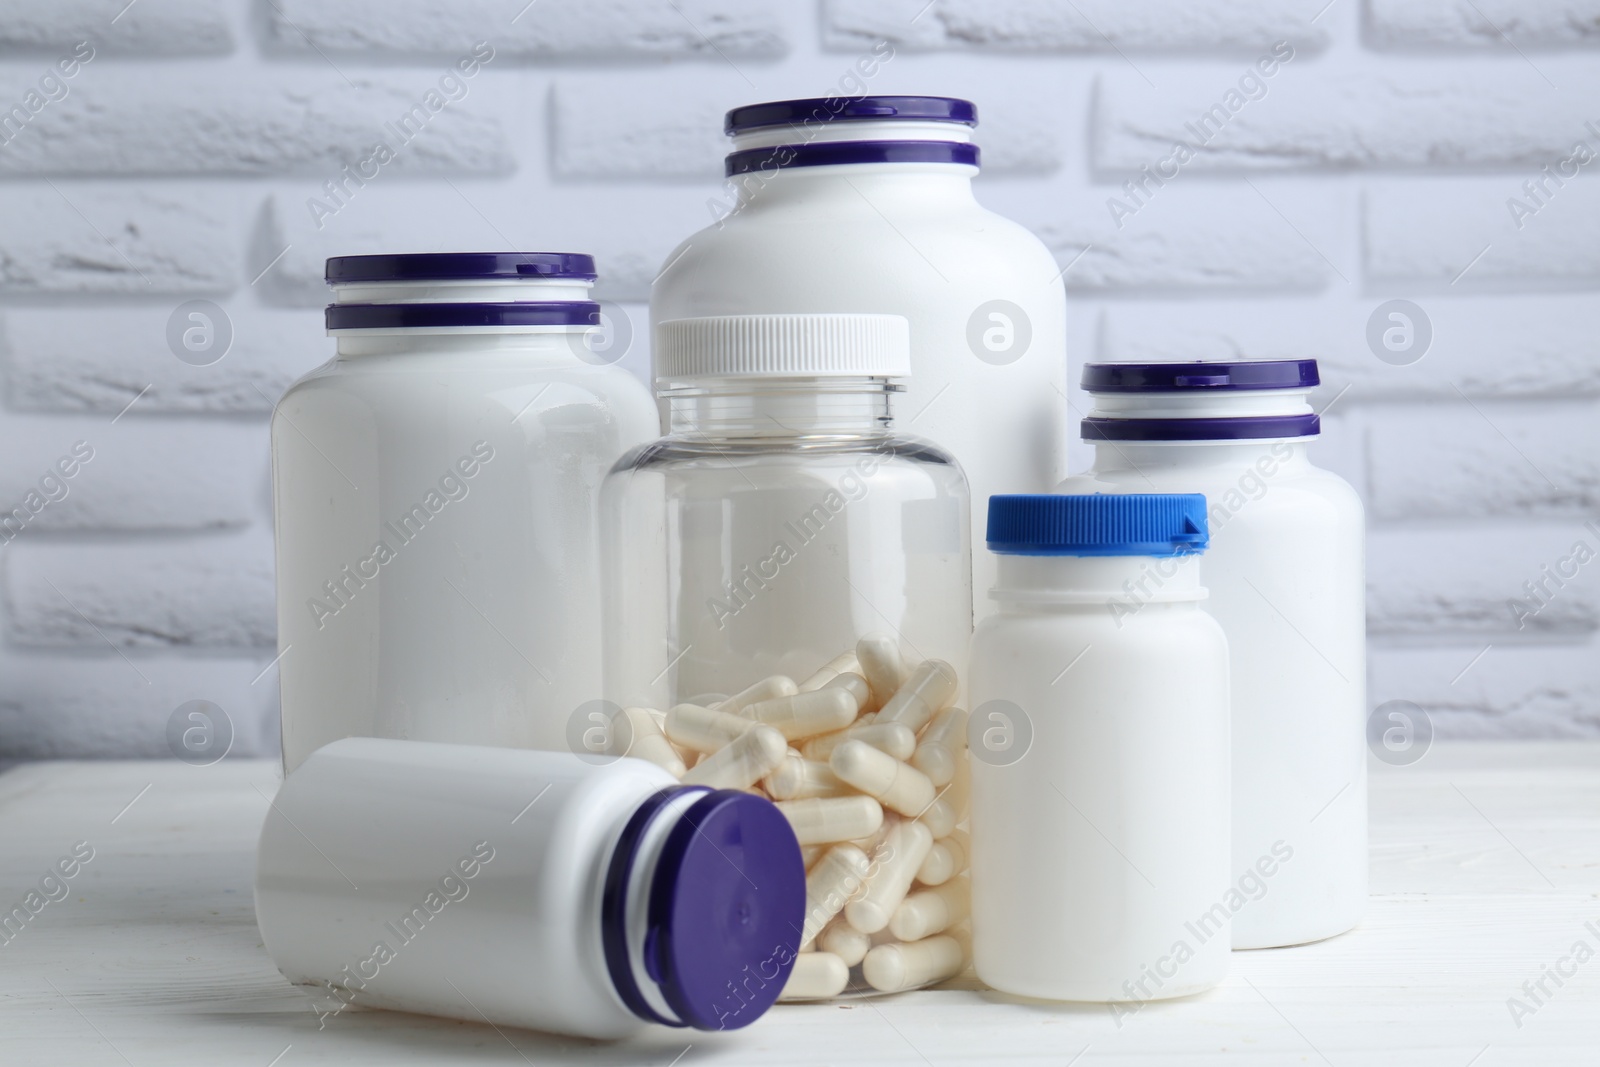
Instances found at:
x=687 y=451
x=789 y=256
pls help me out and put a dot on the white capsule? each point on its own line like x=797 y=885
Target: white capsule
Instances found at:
x=950 y=807
x=745 y=760
x=637 y=735
x=810 y=854
x=846 y=942
x=816 y=976
x=947 y=858
x=702 y=729
x=837 y=877
x=891 y=968
x=826 y=819
x=798 y=778
x=932 y=911
x=855 y=685
x=942 y=743
x=894 y=738
x=882 y=666
x=843 y=663
x=897 y=786
x=895 y=863
x=776 y=685
x=931 y=687
x=804 y=715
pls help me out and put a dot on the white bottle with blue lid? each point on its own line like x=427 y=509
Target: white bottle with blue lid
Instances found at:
x=1099 y=742
x=1286 y=570
x=865 y=205
x=586 y=896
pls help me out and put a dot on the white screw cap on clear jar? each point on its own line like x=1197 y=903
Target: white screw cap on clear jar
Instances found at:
x=865 y=204
x=530 y=889
x=435 y=503
x=1099 y=741
x=1286 y=570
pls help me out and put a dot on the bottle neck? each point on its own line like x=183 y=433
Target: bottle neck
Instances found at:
x=1200 y=404
x=478 y=290
x=905 y=186
x=630 y=882
x=777 y=408
x=1280 y=456
x=552 y=344
x=1120 y=586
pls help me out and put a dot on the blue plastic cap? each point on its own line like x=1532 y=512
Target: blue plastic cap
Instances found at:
x=1104 y=524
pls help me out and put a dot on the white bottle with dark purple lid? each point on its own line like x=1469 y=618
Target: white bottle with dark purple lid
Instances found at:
x=580 y=895
x=865 y=205
x=434 y=490
x=1286 y=570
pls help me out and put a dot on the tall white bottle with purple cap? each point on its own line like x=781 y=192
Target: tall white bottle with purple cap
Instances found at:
x=1286 y=570
x=865 y=204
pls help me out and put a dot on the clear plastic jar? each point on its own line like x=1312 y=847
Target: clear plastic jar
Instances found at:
x=1286 y=570
x=782 y=520
x=435 y=492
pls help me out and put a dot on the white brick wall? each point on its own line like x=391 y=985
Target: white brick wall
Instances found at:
x=185 y=159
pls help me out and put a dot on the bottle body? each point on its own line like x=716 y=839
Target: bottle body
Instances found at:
x=986 y=388
x=1286 y=573
x=1100 y=853
x=409 y=876
x=757 y=551
x=436 y=517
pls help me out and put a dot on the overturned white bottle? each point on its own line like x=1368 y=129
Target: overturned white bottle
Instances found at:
x=1286 y=570
x=1099 y=740
x=534 y=889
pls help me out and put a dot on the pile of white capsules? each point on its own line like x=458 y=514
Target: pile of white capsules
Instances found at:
x=867 y=759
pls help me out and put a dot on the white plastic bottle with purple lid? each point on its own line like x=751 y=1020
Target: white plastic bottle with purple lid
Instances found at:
x=586 y=896
x=434 y=492
x=865 y=205
x=1286 y=570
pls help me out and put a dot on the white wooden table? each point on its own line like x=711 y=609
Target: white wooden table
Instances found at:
x=1485 y=871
